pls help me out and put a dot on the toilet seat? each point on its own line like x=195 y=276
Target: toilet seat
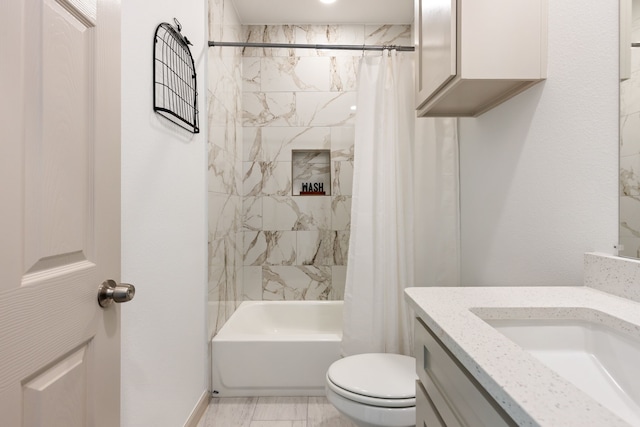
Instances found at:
x=375 y=379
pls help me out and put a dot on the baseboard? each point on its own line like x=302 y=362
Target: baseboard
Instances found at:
x=199 y=410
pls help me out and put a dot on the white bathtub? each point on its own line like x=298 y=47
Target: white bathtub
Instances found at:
x=276 y=348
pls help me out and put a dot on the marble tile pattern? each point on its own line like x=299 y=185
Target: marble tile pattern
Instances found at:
x=265 y=243
x=313 y=167
x=629 y=230
x=227 y=211
x=273 y=412
x=295 y=247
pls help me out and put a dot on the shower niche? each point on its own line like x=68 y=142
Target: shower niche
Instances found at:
x=311 y=172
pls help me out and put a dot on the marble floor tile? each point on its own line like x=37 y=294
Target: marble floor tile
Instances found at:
x=321 y=413
x=278 y=424
x=237 y=411
x=281 y=409
x=273 y=412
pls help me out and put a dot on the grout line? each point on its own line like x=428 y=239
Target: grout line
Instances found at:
x=307 y=417
x=253 y=413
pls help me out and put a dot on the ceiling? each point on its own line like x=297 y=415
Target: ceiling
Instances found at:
x=315 y=12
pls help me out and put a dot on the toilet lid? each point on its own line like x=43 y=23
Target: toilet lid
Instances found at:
x=377 y=375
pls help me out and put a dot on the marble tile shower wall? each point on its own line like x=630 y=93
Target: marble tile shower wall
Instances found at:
x=295 y=247
x=264 y=243
x=224 y=110
x=630 y=153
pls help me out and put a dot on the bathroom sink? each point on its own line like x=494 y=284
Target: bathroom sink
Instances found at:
x=599 y=360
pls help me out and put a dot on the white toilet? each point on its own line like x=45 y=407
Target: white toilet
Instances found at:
x=374 y=389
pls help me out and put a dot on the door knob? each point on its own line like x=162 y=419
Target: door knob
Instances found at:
x=110 y=291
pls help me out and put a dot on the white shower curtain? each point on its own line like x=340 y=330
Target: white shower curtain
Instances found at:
x=380 y=262
x=381 y=249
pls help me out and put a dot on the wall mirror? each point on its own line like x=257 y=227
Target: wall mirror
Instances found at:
x=629 y=179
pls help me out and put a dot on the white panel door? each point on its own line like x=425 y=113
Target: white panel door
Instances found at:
x=59 y=212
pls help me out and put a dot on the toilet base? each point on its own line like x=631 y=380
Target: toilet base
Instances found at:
x=372 y=416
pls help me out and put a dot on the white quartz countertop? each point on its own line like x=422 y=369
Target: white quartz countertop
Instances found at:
x=530 y=392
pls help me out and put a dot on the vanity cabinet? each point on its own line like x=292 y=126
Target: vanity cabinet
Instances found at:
x=475 y=54
x=446 y=394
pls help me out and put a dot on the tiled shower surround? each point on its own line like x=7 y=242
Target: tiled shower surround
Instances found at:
x=224 y=110
x=265 y=243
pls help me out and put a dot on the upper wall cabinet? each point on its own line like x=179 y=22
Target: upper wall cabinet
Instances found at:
x=476 y=54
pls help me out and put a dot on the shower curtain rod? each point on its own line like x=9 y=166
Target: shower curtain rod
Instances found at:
x=314 y=46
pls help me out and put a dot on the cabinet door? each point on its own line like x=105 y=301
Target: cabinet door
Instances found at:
x=436 y=26
x=456 y=395
x=426 y=412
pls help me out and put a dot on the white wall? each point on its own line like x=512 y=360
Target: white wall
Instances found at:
x=164 y=229
x=539 y=173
